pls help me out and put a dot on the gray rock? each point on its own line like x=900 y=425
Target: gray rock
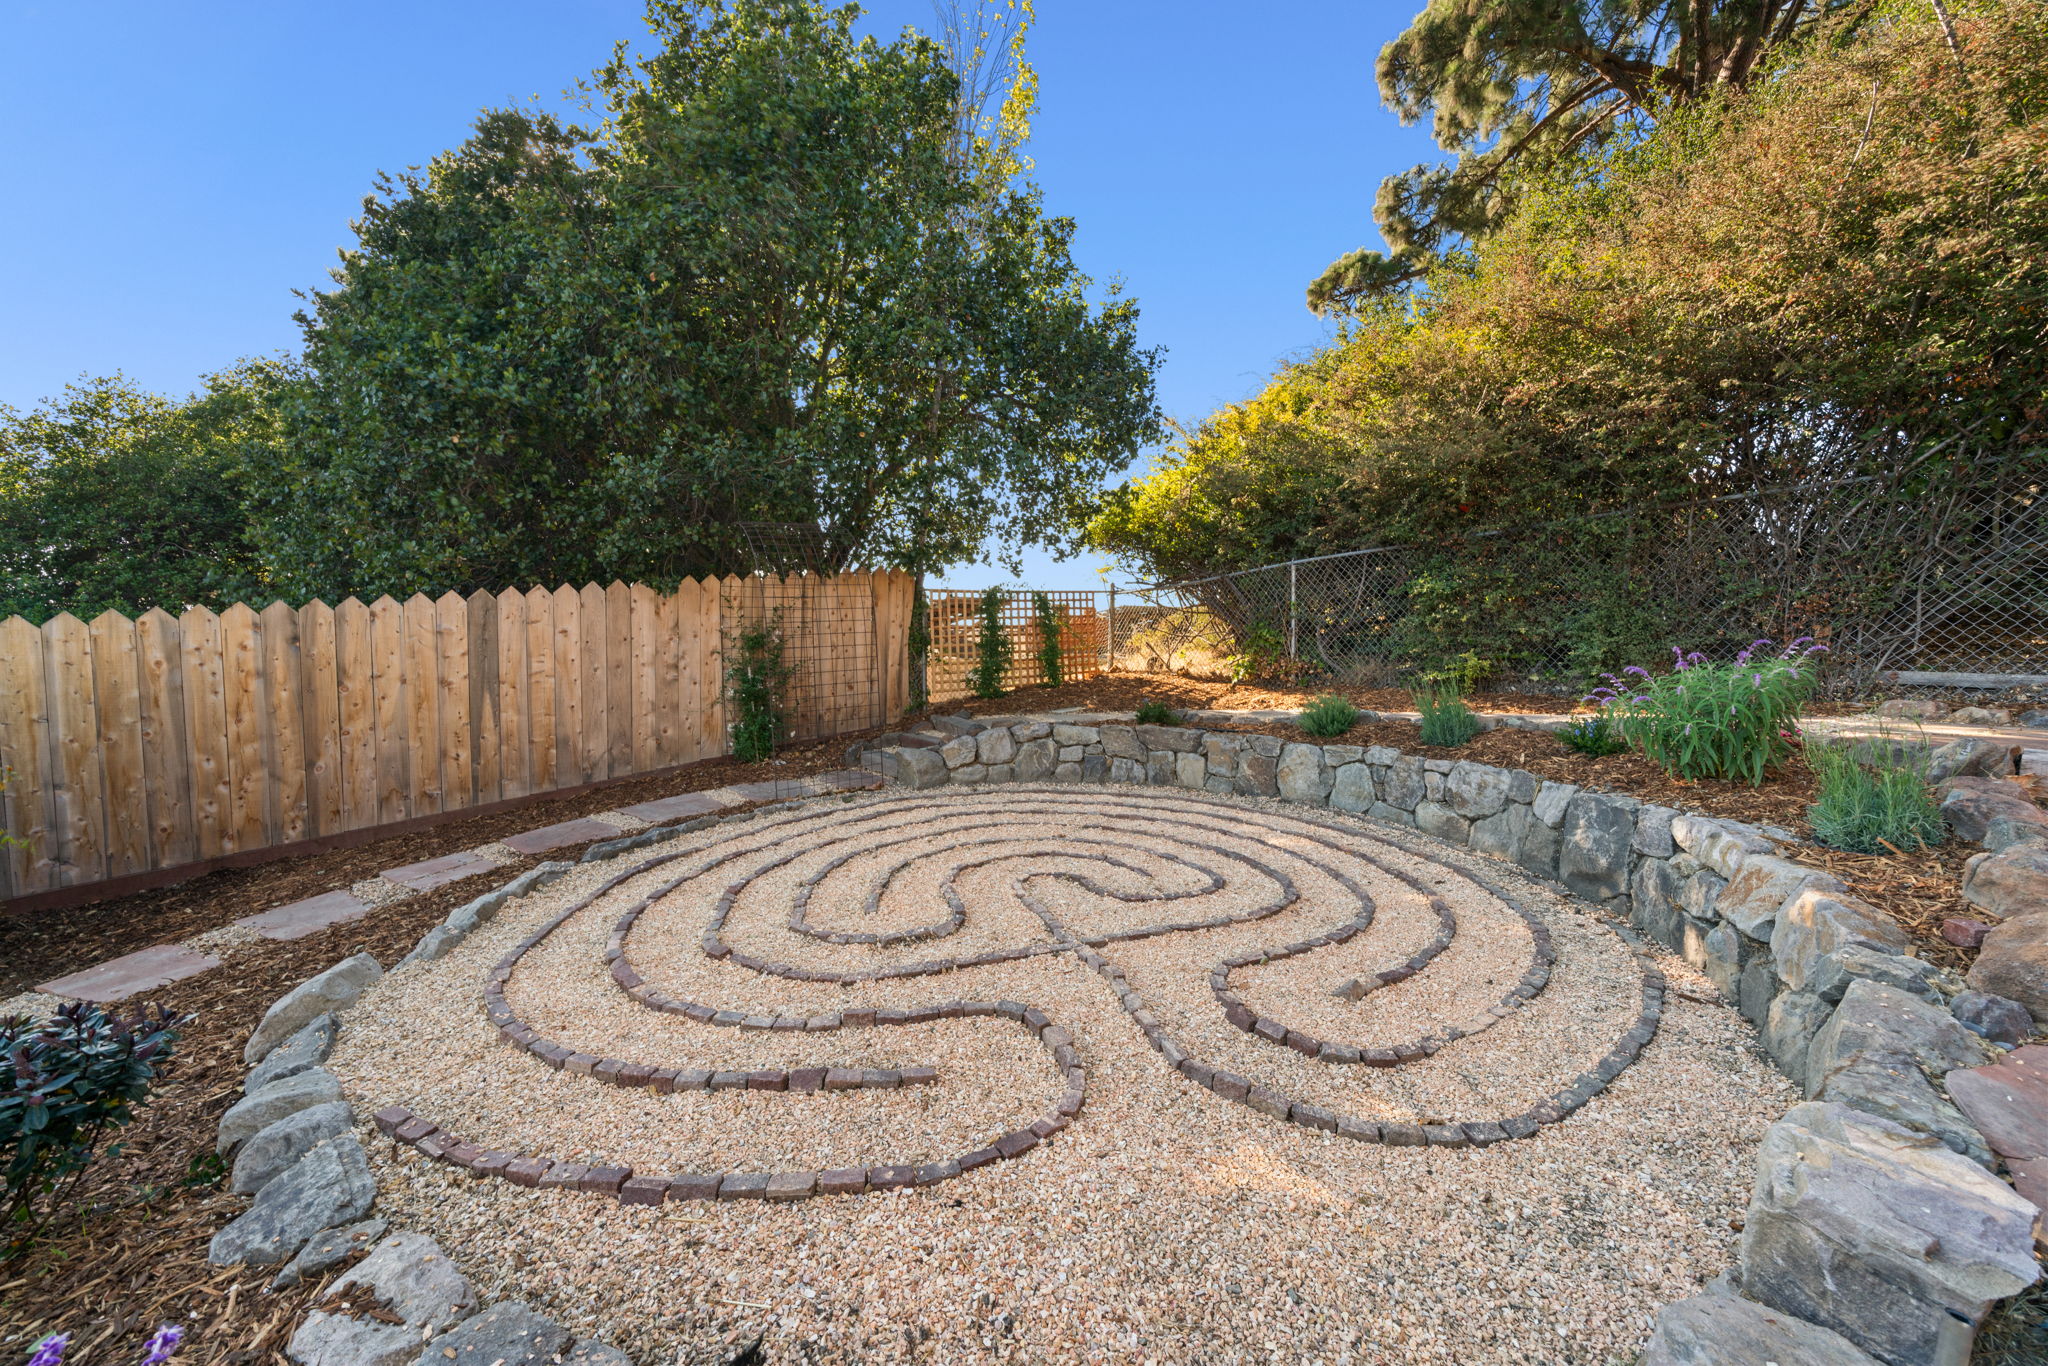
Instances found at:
x=1303 y=775
x=591 y=1352
x=1969 y=759
x=1432 y=783
x=1593 y=859
x=1178 y=739
x=1475 y=790
x=1541 y=847
x=302 y=1052
x=2011 y=882
x=1815 y=923
x=335 y=989
x=1379 y=756
x=1067 y=773
x=1914 y=708
x=1879 y=1053
x=921 y=768
x=412 y=1276
x=1258 y=775
x=1162 y=766
x=277 y=1146
x=1761 y=886
x=1794 y=1018
x=1522 y=786
x=1337 y=755
x=1551 y=800
x=954 y=723
x=1980 y=716
x=1121 y=742
x=1434 y=818
x=1720 y=845
x=996 y=745
x=1220 y=751
x=1653 y=891
x=960 y=750
x=1352 y=789
x=1717 y=1328
x=2003 y=833
x=1724 y=950
x=1265 y=745
x=2033 y=716
x=1076 y=735
x=1971 y=804
x=1992 y=1017
x=2013 y=962
x=1002 y=773
x=1759 y=985
x=329 y=1185
x=1701 y=894
x=1881 y=1234
x=260 y=1109
x=508 y=1334
x=1834 y=972
x=1122 y=770
x=1390 y=815
x=329 y=1248
x=1191 y=770
x=1094 y=768
x=1036 y=760
x=1402 y=786
x=971 y=773
x=1653 y=832
x=1027 y=731
x=1500 y=835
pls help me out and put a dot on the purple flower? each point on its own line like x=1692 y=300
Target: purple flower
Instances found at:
x=162 y=1344
x=1638 y=670
x=50 y=1351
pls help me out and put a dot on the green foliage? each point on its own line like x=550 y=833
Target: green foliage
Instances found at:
x=65 y=1084
x=757 y=688
x=1051 y=627
x=991 y=649
x=1515 y=86
x=1152 y=712
x=1594 y=736
x=779 y=283
x=1871 y=800
x=920 y=649
x=115 y=498
x=1327 y=716
x=1446 y=720
x=1730 y=720
x=1462 y=673
x=1259 y=651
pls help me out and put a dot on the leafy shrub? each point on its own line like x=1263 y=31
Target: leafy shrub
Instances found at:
x=757 y=688
x=1461 y=674
x=1871 y=801
x=1705 y=720
x=1327 y=716
x=64 y=1083
x=1051 y=627
x=1258 y=653
x=1446 y=720
x=1152 y=712
x=920 y=651
x=1594 y=736
x=992 y=651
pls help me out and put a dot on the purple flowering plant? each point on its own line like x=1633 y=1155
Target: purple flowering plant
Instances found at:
x=1708 y=719
x=161 y=1347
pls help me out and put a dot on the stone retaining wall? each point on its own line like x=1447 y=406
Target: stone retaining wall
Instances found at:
x=1876 y=1214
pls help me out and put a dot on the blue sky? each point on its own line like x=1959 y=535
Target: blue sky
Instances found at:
x=176 y=171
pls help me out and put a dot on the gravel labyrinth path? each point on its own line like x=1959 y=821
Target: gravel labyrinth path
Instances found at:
x=1067 y=1074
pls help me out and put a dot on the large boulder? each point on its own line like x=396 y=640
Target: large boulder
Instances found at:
x=328 y=1186
x=259 y=1110
x=2013 y=963
x=279 y=1145
x=1352 y=788
x=302 y=1052
x=1881 y=1234
x=1303 y=775
x=1036 y=760
x=329 y=1248
x=1969 y=758
x=2013 y=881
x=1475 y=790
x=416 y=1283
x=1718 y=845
x=1789 y=1027
x=335 y=989
x=507 y=1334
x=1594 y=850
x=1881 y=1051
x=1971 y=804
x=1761 y=886
x=1718 y=1328
x=1815 y=923
x=1403 y=786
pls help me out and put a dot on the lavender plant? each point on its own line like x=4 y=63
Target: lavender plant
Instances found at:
x=161 y=1347
x=1709 y=720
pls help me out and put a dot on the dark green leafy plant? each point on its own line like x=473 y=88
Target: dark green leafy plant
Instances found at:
x=992 y=650
x=1594 y=736
x=1328 y=716
x=920 y=650
x=757 y=688
x=1873 y=798
x=65 y=1084
x=1258 y=653
x=1707 y=720
x=1446 y=720
x=1152 y=712
x=1051 y=627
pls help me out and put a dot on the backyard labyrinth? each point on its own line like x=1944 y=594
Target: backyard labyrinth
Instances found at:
x=904 y=990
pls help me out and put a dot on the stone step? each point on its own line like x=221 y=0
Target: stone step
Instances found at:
x=131 y=974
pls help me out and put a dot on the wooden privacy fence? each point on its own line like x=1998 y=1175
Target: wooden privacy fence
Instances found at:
x=954 y=615
x=133 y=746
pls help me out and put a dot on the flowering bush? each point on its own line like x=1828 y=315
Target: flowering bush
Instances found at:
x=161 y=1347
x=1707 y=720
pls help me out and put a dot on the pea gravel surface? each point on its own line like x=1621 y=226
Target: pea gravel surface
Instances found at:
x=1167 y=1224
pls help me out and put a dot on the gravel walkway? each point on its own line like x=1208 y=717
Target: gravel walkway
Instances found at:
x=1168 y=1223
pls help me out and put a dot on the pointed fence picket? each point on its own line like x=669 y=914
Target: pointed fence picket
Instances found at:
x=128 y=747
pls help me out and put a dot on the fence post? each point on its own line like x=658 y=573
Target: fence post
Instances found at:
x=1109 y=635
x=1293 y=617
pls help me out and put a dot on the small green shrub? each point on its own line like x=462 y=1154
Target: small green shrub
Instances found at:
x=757 y=688
x=1446 y=720
x=1594 y=736
x=1872 y=800
x=1703 y=720
x=64 y=1084
x=1461 y=673
x=1258 y=654
x=992 y=651
x=1328 y=716
x=1051 y=627
x=1155 y=713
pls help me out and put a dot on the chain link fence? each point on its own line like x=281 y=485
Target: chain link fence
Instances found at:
x=1924 y=581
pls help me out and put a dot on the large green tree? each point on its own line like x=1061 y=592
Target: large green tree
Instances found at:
x=778 y=283
x=114 y=497
x=1516 y=85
